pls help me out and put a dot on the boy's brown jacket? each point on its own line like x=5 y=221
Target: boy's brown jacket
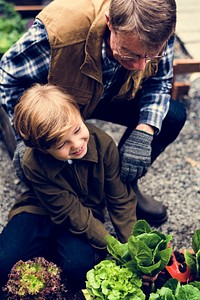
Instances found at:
x=74 y=194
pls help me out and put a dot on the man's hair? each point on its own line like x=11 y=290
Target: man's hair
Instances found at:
x=43 y=115
x=154 y=21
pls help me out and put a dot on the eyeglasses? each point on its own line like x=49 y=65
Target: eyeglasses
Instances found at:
x=137 y=57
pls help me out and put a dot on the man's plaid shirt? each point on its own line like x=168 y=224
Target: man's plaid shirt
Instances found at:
x=28 y=62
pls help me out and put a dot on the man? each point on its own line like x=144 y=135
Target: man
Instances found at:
x=116 y=59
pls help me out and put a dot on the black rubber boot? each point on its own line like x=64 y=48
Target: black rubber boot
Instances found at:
x=154 y=212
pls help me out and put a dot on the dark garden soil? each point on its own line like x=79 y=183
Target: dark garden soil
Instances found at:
x=69 y=295
x=75 y=296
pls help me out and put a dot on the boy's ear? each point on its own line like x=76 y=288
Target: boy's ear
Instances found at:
x=108 y=20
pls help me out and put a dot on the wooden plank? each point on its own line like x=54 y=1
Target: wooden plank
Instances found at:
x=29 y=7
x=183 y=66
x=27 y=11
x=180 y=89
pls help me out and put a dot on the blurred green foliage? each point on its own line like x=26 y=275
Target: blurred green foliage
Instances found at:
x=12 y=26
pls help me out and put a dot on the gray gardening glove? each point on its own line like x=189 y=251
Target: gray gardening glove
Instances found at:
x=135 y=155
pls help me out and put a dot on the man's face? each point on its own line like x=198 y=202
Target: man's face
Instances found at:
x=128 y=50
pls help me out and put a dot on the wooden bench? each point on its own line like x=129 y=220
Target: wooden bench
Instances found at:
x=183 y=67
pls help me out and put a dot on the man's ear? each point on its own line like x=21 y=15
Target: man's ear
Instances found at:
x=108 y=20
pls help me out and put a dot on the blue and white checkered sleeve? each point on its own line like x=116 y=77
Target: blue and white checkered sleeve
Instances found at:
x=25 y=63
x=156 y=91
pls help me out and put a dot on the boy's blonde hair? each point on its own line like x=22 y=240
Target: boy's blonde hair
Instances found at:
x=43 y=115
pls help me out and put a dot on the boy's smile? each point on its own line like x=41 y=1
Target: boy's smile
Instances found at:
x=74 y=144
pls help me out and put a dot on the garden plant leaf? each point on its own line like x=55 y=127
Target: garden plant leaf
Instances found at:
x=196 y=241
x=173 y=290
x=147 y=251
x=193 y=260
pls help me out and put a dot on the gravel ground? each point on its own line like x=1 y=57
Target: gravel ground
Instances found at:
x=173 y=179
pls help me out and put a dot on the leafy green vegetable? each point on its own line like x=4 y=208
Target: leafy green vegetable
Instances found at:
x=193 y=260
x=173 y=290
x=196 y=241
x=196 y=284
x=188 y=292
x=109 y=281
x=162 y=294
x=190 y=261
x=34 y=279
x=146 y=252
x=118 y=250
x=141 y=227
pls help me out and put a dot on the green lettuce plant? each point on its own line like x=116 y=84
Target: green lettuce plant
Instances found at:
x=193 y=260
x=146 y=252
x=173 y=290
x=109 y=281
x=34 y=279
x=176 y=290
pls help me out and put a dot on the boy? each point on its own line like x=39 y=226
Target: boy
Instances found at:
x=73 y=170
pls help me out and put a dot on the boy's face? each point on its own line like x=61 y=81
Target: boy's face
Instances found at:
x=74 y=144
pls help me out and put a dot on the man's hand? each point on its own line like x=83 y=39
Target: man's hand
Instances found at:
x=136 y=155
